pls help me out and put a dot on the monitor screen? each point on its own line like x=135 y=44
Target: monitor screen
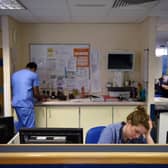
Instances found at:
x=120 y=61
x=51 y=135
x=6 y=129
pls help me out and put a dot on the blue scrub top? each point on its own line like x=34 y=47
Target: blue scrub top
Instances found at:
x=23 y=82
x=112 y=134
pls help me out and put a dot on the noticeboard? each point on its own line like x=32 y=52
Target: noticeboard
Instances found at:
x=64 y=66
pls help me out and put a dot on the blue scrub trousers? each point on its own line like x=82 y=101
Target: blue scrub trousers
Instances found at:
x=26 y=117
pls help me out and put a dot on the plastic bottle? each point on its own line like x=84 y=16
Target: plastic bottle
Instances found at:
x=82 y=91
x=143 y=95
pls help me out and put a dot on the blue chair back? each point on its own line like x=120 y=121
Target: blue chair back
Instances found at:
x=93 y=135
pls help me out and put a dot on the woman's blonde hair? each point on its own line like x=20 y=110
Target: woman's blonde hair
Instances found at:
x=139 y=116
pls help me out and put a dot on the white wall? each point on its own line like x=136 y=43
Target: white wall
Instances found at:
x=105 y=37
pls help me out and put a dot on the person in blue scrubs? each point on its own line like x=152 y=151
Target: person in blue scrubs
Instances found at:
x=25 y=88
x=136 y=130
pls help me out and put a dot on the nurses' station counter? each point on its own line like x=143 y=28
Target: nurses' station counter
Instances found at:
x=83 y=156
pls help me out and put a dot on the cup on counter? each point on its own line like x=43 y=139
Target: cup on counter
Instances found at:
x=126 y=83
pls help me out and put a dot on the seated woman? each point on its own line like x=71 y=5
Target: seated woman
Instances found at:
x=136 y=130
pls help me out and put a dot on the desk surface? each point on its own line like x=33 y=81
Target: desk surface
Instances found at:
x=83 y=154
x=83 y=148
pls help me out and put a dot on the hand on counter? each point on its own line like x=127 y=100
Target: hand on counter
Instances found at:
x=43 y=99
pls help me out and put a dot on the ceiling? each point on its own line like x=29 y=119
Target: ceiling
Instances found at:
x=87 y=11
x=92 y=11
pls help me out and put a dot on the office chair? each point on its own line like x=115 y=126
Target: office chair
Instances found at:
x=93 y=135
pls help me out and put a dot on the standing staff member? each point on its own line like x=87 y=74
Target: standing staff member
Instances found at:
x=25 y=87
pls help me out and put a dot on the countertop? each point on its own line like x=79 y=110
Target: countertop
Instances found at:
x=88 y=102
x=161 y=104
x=161 y=100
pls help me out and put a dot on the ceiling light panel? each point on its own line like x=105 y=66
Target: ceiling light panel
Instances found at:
x=10 y=4
x=89 y=8
x=90 y=3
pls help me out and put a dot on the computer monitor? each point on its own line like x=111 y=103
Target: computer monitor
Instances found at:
x=51 y=135
x=6 y=129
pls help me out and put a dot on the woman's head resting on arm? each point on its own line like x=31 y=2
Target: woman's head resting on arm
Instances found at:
x=137 y=124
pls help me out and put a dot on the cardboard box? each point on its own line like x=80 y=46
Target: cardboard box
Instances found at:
x=1 y=76
x=1 y=100
x=1 y=104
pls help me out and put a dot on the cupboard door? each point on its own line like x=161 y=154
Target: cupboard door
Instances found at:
x=40 y=116
x=65 y=117
x=120 y=113
x=162 y=128
x=94 y=116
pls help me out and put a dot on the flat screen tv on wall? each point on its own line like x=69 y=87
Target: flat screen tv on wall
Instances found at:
x=120 y=61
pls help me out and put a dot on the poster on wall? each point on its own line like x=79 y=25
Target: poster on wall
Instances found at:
x=65 y=66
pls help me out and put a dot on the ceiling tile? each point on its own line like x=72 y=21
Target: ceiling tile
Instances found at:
x=89 y=12
x=85 y=11
x=50 y=12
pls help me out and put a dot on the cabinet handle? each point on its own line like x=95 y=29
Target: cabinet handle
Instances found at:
x=49 y=114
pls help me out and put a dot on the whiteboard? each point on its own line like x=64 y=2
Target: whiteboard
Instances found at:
x=64 y=66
